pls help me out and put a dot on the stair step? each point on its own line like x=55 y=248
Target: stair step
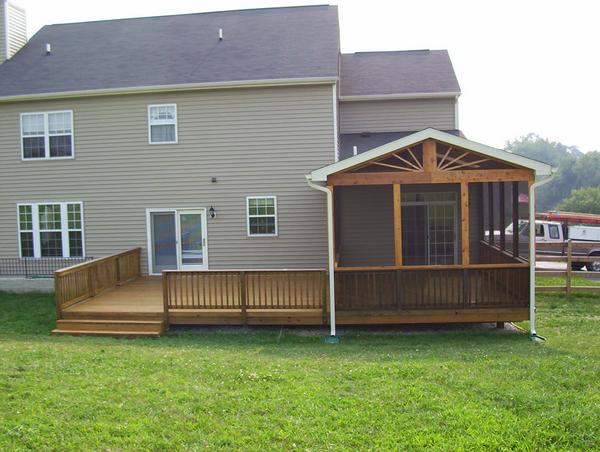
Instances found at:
x=150 y=326
x=121 y=333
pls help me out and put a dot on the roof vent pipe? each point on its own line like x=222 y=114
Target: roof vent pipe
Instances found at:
x=48 y=48
x=220 y=34
x=354 y=150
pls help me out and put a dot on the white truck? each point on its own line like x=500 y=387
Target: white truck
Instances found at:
x=554 y=229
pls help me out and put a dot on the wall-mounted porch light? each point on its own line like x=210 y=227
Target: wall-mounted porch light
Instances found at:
x=212 y=212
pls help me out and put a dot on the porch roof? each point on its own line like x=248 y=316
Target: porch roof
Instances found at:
x=540 y=168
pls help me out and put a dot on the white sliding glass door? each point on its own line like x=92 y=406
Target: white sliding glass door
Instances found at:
x=177 y=239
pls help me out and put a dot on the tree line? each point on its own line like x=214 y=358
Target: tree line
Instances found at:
x=576 y=185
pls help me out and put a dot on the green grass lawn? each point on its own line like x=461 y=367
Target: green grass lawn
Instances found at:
x=561 y=281
x=471 y=389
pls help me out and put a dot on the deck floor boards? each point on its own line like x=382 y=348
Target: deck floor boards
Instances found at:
x=144 y=295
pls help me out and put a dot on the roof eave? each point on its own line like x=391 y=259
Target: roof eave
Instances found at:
x=399 y=96
x=172 y=88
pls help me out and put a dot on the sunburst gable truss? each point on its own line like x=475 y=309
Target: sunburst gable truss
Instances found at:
x=431 y=156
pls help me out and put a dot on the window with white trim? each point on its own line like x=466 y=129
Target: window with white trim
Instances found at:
x=47 y=135
x=162 y=124
x=51 y=229
x=262 y=215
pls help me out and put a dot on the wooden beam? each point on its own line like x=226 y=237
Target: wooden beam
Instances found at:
x=438 y=177
x=432 y=267
x=491 y=213
x=429 y=156
x=502 y=209
x=397 y=225
x=464 y=222
x=515 y=218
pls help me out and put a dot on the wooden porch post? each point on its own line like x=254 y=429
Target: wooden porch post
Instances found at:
x=397 y=225
x=502 y=208
x=491 y=212
x=515 y=218
x=335 y=247
x=464 y=222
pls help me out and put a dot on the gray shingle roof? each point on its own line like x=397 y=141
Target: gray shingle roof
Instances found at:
x=405 y=72
x=259 y=44
x=367 y=141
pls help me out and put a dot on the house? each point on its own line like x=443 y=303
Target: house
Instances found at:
x=235 y=167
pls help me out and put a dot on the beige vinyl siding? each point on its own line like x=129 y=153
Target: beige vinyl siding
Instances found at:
x=2 y=31
x=397 y=115
x=17 y=30
x=259 y=141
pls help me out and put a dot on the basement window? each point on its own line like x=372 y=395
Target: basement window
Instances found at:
x=51 y=229
x=47 y=135
x=162 y=124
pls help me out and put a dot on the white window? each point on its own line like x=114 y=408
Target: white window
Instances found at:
x=51 y=229
x=47 y=135
x=162 y=123
x=262 y=215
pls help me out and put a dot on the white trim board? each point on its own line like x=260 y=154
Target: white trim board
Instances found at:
x=541 y=169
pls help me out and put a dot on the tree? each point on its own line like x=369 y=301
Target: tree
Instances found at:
x=575 y=169
x=583 y=200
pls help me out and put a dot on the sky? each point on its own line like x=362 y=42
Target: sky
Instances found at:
x=523 y=65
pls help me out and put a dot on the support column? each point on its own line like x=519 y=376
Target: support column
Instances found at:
x=515 y=218
x=429 y=156
x=397 y=225
x=491 y=212
x=502 y=208
x=464 y=223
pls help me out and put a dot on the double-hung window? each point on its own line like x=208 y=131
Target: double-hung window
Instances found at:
x=262 y=215
x=51 y=229
x=162 y=124
x=47 y=135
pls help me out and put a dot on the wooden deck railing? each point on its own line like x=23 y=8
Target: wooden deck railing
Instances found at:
x=76 y=283
x=569 y=258
x=238 y=289
x=430 y=288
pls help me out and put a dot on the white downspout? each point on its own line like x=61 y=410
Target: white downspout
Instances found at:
x=532 y=187
x=330 y=252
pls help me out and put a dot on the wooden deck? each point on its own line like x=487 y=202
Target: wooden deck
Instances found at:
x=141 y=297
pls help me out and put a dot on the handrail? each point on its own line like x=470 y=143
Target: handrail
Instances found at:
x=71 y=269
x=83 y=281
x=434 y=267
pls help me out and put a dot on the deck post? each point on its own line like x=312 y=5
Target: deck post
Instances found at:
x=397 y=225
x=243 y=299
x=324 y=296
x=491 y=213
x=464 y=222
x=165 y=288
x=515 y=218
x=502 y=208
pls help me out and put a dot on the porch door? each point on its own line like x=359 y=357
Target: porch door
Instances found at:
x=178 y=240
x=429 y=230
x=164 y=241
x=192 y=239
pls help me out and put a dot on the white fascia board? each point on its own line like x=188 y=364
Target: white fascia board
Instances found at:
x=173 y=88
x=367 y=97
x=541 y=169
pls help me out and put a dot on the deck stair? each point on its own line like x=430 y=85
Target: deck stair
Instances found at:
x=110 y=327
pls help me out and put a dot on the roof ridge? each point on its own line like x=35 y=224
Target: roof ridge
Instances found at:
x=320 y=5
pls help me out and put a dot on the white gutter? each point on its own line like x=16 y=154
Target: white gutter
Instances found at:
x=532 y=187
x=330 y=251
x=6 y=32
x=173 y=88
x=367 y=97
